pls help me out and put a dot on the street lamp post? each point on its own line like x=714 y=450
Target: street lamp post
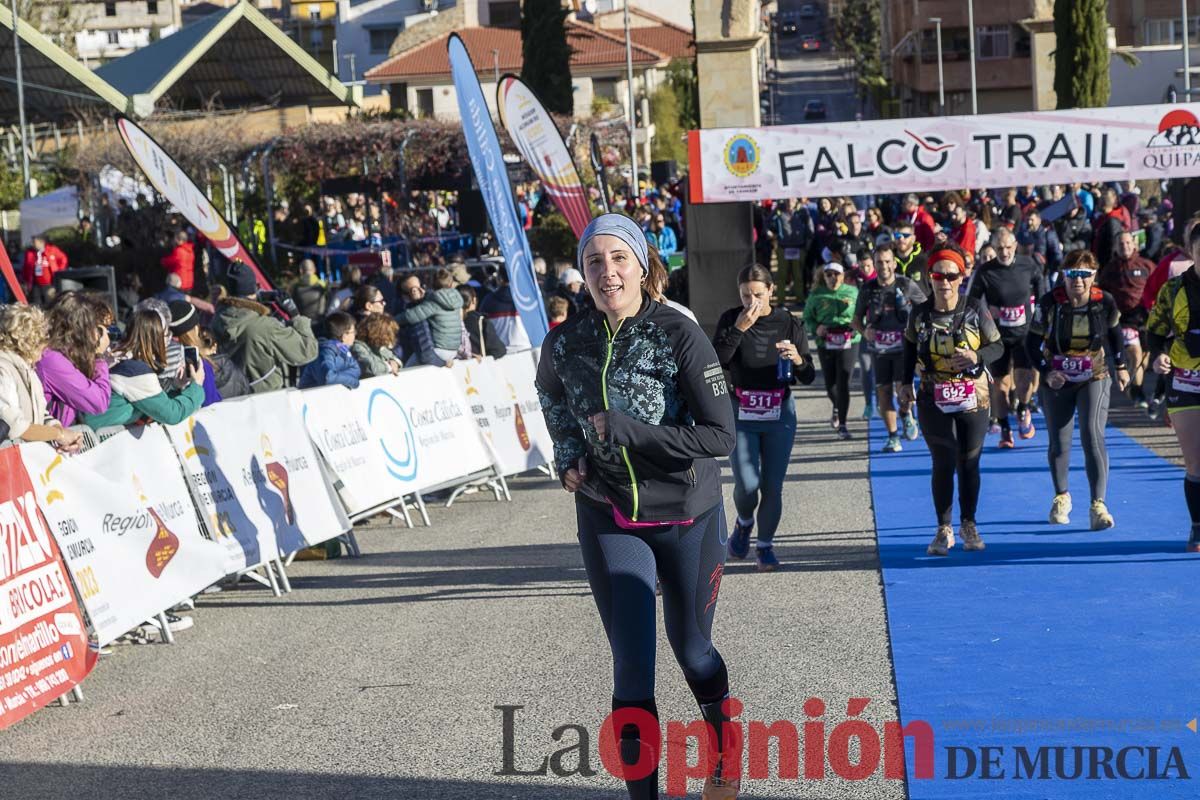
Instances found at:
x=937 y=21
x=20 y=102
x=633 y=183
x=971 y=53
x=496 y=64
x=1187 y=57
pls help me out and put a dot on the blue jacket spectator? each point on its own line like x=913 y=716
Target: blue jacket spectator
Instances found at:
x=662 y=237
x=334 y=362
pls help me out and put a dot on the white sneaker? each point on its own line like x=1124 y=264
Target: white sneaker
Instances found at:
x=1060 y=509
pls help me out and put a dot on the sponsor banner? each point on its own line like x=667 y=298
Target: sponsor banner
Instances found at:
x=174 y=184
x=507 y=419
x=492 y=176
x=124 y=519
x=423 y=427
x=340 y=434
x=43 y=643
x=519 y=372
x=538 y=139
x=255 y=478
x=940 y=153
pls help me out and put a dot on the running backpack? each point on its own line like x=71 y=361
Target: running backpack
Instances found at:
x=1062 y=317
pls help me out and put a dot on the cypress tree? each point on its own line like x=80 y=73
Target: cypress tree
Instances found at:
x=547 y=55
x=1081 y=78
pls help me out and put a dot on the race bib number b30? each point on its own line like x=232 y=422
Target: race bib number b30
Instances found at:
x=951 y=397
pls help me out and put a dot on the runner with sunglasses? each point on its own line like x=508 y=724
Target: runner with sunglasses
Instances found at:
x=952 y=338
x=910 y=261
x=828 y=316
x=1008 y=284
x=881 y=315
x=752 y=342
x=1173 y=333
x=1073 y=327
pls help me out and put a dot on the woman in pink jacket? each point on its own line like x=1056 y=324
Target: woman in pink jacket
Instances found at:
x=73 y=371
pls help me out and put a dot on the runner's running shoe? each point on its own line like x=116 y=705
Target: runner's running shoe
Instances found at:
x=844 y=433
x=833 y=419
x=994 y=428
x=868 y=411
x=911 y=429
x=1156 y=408
x=718 y=788
x=767 y=562
x=970 y=536
x=1100 y=517
x=1006 y=439
x=943 y=540
x=1193 y=545
x=893 y=444
x=739 y=541
x=1060 y=509
x=1026 y=425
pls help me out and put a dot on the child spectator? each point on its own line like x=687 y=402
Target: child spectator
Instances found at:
x=442 y=308
x=334 y=363
x=231 y=381
x=137 y=394
x=185 y=327
x=373 y=348
x=485 y=341
x=557 y=309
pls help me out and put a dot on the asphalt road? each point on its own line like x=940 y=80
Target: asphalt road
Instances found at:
x=806 y=75
x=379 y=677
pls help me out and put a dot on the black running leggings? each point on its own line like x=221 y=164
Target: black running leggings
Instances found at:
x=621 y=568
x=1091 y=400
x=955 y=443
x=837 y=366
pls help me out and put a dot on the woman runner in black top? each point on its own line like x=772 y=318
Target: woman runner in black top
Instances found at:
x=638 y=408
x=750 y=342
x=952 y=338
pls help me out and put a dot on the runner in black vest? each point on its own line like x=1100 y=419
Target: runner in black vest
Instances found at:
x=1008 y=285
x=1075 y=329
x=952 y=338
x=881 y=315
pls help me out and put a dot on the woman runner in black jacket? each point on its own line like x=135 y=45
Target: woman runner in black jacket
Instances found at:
x=637 y=405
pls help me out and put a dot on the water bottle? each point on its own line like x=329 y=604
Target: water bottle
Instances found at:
x=783 y=368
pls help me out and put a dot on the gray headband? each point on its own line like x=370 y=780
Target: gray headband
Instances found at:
x=624 y=229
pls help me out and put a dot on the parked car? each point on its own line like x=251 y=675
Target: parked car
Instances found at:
x=814 y=109
x=810 y=43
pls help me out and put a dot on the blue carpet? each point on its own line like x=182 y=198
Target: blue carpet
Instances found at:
x=1053 y=635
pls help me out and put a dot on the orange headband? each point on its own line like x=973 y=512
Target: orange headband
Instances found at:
x=947 y=255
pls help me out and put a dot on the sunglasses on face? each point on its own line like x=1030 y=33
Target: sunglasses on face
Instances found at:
x=903 y=235
x=948 y=277
x=1078 y=274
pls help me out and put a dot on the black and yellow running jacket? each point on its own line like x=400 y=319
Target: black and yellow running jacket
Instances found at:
x=1174 y=321
x=672 y=418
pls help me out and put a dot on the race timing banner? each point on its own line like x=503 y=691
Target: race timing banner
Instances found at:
x=941 y=153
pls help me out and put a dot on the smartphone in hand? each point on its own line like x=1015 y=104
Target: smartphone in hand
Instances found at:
x=191 y=356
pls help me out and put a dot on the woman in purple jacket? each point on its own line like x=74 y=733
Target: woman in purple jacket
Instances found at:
x=73 y=371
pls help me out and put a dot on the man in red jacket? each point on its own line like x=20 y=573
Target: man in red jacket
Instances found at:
x=42 y=260
x=1125 y=277
x=182 y=261
x=921 y=219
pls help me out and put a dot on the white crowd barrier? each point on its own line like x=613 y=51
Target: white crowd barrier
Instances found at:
x=152 y=515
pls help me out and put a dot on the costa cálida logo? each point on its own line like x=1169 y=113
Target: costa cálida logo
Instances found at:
x=1177 y=142
x=164 y=544
x=277 y=474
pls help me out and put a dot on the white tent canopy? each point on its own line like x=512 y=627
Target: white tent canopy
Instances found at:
x=54 y=209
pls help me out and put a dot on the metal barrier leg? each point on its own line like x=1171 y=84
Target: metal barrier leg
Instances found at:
x=401 y=514
x=271 y=579
x=77 y=693
x=424 y=511
x=164 y=628
x=283 y=578
x=351 y=543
